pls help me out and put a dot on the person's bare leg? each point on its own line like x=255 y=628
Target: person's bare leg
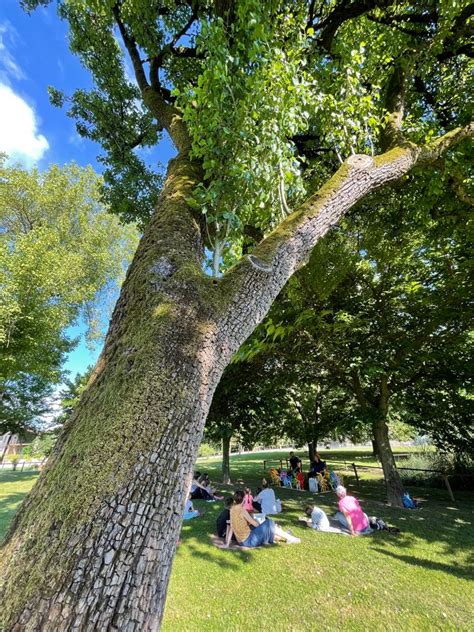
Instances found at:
x=283 y=535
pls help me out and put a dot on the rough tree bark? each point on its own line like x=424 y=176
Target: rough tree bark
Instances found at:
x=226 y=459
x=92 y=545
x=393 y=481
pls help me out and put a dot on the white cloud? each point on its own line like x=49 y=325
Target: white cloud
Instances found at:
x=19 y=136
x=8 y=66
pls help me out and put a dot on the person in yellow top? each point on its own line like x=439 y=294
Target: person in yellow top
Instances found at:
x=248 y=532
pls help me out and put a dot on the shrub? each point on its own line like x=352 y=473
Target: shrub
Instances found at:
x=13 y=458
x=206 y=450
x=40 y=448
x=459 y=472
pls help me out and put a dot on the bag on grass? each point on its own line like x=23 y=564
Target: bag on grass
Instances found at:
x=408 y=501
x=313 y=485
x=377 y=523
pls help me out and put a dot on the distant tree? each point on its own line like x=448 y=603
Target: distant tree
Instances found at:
x=71 y=393
x=61 y=256
x=245 y=407
x=23 y=401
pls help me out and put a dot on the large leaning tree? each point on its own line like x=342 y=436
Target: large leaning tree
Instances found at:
x=243 y=89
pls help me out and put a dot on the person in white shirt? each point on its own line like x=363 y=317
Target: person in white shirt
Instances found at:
x=268 y=501
x=319 y=519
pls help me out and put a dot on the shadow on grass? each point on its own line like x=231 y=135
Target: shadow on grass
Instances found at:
x=10 y=476
x=231 y=559
x=461 y=571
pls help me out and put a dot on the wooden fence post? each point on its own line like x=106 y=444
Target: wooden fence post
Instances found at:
x=448 y=487
x=355 y=472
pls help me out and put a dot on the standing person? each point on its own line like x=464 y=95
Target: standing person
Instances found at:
x=249 y=532
x=350 y=513
x=269 y=503
x=295 y=461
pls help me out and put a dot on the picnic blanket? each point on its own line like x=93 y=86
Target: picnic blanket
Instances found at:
x=334 y=526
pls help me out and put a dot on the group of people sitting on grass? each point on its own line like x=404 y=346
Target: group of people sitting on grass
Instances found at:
x=245 y=521
x=240 y=523
x=319 y=478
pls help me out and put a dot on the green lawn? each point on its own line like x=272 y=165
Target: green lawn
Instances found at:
x=419 y=580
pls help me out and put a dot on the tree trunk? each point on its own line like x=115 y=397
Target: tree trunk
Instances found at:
x=393 y=481
x=226 y=459
x=312 y=449
x=92 y=545
x=375 y=451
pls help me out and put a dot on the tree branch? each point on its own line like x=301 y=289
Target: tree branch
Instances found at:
x=391 y=135
x=343 y=11
x=167 y=116
x=249 y=288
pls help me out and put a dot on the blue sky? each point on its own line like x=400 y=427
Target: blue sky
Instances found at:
x=34 y=54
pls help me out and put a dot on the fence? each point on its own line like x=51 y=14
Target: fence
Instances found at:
x=443 y=475
x=19 y=466
x=357 y=466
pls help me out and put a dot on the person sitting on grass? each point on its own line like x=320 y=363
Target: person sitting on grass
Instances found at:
x=251 y=504
x=350 y=513
x=318 y=465
x=223 y=519
x=249 y=532
x=199 y=490
x=268 y=501
x=319 y=519
x=205 y=480
x=189 y=511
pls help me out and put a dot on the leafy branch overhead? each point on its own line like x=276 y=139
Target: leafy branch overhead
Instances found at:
x=240 y=84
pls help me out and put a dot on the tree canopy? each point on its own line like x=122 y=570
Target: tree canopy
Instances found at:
x=384 y=307
x=268 y=96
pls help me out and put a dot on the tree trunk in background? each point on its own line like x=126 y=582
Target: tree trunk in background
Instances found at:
x=393 y=481
x=312 y=449
x=226 y=459
x=375 y=451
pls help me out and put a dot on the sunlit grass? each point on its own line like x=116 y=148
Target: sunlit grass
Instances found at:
x=419 y=580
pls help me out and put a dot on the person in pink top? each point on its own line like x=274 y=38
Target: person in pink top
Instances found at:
x=350 y=513
x=248 y=500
